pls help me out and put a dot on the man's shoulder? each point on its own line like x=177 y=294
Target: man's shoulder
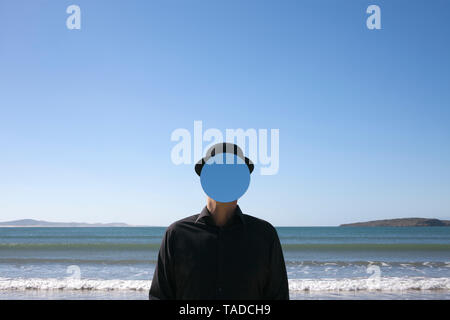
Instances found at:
x=259 y=224
x=183 y=222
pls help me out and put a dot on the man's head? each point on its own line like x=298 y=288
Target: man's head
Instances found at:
x=224 y=172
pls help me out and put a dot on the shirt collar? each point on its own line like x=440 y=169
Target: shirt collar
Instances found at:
x=206 y=215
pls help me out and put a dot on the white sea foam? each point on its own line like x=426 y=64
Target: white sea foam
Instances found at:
x=390 y=284
x=73 y=284
x=370 y=284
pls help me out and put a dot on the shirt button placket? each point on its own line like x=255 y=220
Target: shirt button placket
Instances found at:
x=219 y=262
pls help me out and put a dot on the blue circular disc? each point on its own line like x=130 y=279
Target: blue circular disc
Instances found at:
x=225 y=177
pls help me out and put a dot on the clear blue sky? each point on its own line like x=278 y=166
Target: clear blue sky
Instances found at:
x=86 y=115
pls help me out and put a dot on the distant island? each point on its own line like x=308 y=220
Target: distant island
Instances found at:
x=405 y=222
x=30 y=223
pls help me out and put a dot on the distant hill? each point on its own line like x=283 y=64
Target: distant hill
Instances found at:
x=36 y=223
x=405 y=222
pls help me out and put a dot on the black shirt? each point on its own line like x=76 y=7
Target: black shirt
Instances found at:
x=201 y=261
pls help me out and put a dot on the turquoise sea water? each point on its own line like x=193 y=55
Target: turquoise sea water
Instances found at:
x=322 y=262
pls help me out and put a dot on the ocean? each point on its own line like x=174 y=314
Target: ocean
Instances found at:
x=322 y=262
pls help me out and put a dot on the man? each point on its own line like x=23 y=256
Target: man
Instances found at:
x=220 y=253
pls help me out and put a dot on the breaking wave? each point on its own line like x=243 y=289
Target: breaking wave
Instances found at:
x=391 y=284
x=287 y=246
